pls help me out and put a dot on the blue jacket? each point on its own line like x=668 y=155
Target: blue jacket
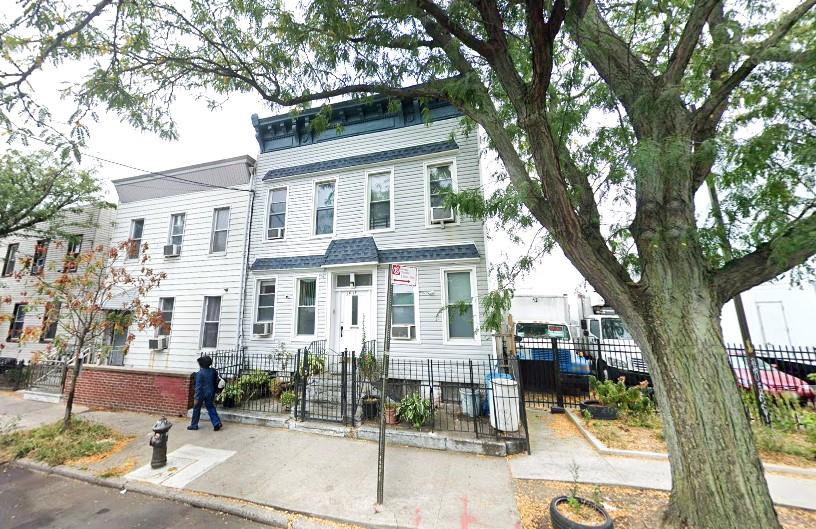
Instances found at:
x=206 y=380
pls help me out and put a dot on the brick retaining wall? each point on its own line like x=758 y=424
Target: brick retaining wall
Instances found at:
x=142 y=390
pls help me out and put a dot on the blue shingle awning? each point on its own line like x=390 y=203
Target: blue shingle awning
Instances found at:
x=348 y=251
x=433 y=253
x=363 y=159
x=284 y=263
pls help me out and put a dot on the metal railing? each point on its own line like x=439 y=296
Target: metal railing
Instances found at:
x=44 y=375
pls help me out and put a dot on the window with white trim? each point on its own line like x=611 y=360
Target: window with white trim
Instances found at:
x=379 y=200
x=220 y=230
x=276 y=216
x=211 y=320
x=40 y=254
x=135 y=238
x=266 y=301
x=166 y=306
x=306 y=310
x=459 y=298
x=17 y=323
x=440 y=182
x=50 y=321
x=403 y=312
x=176 y=235
x=324 y=207
x=71 y=256
x=11 y=259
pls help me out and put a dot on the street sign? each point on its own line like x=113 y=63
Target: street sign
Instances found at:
x=403 y=275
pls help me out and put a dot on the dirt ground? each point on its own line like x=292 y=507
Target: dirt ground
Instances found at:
x=629 y=508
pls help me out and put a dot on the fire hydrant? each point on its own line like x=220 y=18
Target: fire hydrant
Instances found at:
x=159 y=442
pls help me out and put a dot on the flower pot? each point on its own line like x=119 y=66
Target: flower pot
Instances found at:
x=391 y=416
x=561 y=520
x=599 y=411
x=371 y=407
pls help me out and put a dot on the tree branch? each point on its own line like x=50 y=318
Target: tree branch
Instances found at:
x=792 y=247
x=720 y=95
x=680 y=57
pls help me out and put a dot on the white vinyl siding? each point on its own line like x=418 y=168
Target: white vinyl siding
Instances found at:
x=220 y=230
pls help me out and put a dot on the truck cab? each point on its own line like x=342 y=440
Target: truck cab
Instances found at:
x=612 y=346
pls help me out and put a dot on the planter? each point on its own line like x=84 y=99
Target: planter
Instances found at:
x=229 y=402
x=391 y=416
x=371 y=407
x=599 y=411
x=562 y=521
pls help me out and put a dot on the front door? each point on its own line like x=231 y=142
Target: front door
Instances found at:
x=353 y=310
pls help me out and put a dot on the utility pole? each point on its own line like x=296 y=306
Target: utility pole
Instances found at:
x=750 y=355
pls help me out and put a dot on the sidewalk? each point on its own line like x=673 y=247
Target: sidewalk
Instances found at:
x=556 y=445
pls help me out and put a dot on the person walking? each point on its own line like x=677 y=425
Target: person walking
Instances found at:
x=206 y=382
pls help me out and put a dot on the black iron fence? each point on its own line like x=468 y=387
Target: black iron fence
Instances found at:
x=44 y=375
x=13 y=374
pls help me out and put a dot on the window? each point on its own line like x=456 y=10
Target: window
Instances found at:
x=266 y=301
x=166 y=306
x=276 y=221
x=212 y=319
x=307 y=294
x=220 y=229
x=614 y=329
x=50 y=321
x=324 y=208
x=379 y=200
x=136 y=228
x=17 y=321
x=353 y=280
x=176 y=235
x=11 y=258
x=71 y=256
x=40 y=253
x=459 y=304
x=355 y=309
x=403 y=312
x=440 y=182
x=595 y=328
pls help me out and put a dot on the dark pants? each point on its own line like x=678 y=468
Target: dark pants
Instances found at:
x=210 y=405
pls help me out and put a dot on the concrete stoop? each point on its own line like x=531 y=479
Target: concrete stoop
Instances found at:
x=42 y=396
x=431 y=440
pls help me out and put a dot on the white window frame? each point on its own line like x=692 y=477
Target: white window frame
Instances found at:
x=73 y=256
x=315 y=183
x=427 y=182
x=267 y=213
x=255 y=319
x=15 y=318
x=474 y=293
x=140 y=239
x=213 y=230
x=417 y=313
x=203 y=321
x=172 y=316
x=170 y=228
x=11 y=259
x=392 y=218
x=296 y=297
x=55 y=324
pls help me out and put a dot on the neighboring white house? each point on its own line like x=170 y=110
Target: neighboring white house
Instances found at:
x=334 y=209
x=91 y=227
x=194 y=222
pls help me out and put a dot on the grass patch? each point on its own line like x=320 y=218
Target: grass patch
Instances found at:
x=120 y=470
x=54 y=445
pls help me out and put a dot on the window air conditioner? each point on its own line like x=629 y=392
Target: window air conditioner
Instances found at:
x=172 y=250
x=262 y=329
x=158 y=344
x=274 y=233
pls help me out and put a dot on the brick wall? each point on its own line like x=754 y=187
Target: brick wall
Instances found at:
x=123 y=388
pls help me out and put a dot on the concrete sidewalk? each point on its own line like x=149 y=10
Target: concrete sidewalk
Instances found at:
x=557 y=445
x=30 y=413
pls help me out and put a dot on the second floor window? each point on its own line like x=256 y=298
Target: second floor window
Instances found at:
x=17 y=323
x=135 y=237
x=40 y=253
x=276 y=225
x=220 y=230
x=440 y=182
x=379 y=200
x=71 y=256
x=324 y=208
x=11 y=259
x=211 y=321
x=50 y=321
x=166 y=306
x=176 y=235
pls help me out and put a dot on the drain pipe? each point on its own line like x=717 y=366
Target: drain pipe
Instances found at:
x=247 y=247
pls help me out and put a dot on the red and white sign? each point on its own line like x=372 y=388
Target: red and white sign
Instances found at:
x=403 y=275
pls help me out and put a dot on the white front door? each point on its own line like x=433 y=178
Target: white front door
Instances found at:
x=353 y=313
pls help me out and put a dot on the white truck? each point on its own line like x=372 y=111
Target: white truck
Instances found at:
x=593 y=327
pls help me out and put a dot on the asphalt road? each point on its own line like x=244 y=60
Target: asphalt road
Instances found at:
x=31 y=500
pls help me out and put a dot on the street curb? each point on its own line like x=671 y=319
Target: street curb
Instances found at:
x=603 y=449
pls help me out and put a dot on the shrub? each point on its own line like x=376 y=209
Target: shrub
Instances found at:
x=288 y=398
x=316 y=365
x=370 y=367
x=275 y=387
x=415 y=410
x=233 y=391
x=632 y=402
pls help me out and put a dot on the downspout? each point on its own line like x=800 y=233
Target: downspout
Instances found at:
x=247 y=246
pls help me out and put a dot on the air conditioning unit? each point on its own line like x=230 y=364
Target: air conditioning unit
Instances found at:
x=403 y=332
x=274 y=233
x=442 y=216
x=262 y=329
x=172 y=250
x=158 y=344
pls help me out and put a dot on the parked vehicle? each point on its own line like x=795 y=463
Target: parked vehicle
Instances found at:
x=773 y=380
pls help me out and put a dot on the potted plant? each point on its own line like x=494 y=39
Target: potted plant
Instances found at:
x=288 y=399
x=371 y=406
x=604 y=398
x=391 y=413
x=574 y=512
x=415 y=410
x=231 y=396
